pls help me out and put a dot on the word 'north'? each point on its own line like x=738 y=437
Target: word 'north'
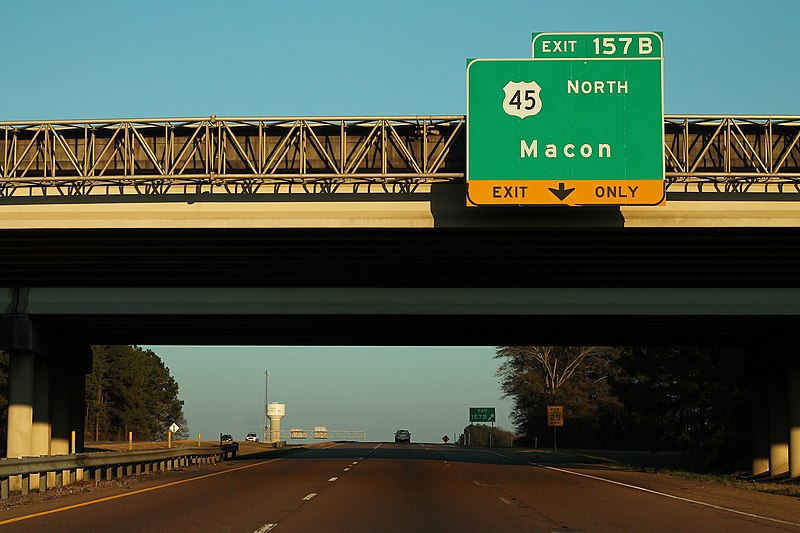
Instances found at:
x=597 y=86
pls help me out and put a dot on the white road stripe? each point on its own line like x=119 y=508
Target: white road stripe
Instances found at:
x=333 y=479
x=346 y=469
x=505 y=501
x=650 y=491
x=265 y=528
x=309 y=496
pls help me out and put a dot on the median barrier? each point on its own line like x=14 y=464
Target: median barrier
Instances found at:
x=37 y=474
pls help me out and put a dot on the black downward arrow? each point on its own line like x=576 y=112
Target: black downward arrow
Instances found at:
x=561 y=193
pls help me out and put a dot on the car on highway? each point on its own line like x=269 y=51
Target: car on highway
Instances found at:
x=402 y=435
x=226 y=439
x=251 y=437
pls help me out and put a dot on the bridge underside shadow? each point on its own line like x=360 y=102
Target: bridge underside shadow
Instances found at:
x=64 y=290
x=417 y=330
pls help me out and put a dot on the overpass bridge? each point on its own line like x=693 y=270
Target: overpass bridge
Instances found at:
x=356 y=231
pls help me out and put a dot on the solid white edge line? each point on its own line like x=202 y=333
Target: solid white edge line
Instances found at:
x=657 y=493
x=265 y=528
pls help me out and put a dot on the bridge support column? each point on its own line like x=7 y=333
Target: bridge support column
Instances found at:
x=59 y=411
x=80 y=365
x=67 y=402
x=778 y=421
x=40 y=430
x=20 y=403
x=68 y=398
x=759 y=401
x=18 y=340
x=794 y=418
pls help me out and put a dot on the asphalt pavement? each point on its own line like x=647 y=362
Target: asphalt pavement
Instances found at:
x=387 y=487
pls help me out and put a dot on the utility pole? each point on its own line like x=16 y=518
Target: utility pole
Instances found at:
x=266 y=402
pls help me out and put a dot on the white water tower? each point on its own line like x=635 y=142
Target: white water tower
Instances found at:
x=275 y=411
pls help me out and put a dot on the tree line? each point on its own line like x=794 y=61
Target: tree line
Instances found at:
x=129 y=389
x=689 y=399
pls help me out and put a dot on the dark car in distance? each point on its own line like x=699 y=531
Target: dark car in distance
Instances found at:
x=226 y=439
x=402 y=435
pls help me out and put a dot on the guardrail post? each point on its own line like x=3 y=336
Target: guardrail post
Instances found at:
x=33 y=480
x=15 y=484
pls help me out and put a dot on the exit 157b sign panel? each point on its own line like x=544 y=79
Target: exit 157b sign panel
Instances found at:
x=581 y=123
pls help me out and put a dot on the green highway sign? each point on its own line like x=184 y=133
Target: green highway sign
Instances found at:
x=646 y=45
x=581 y=123
x=481 y=414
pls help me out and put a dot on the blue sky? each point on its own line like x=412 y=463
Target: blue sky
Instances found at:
x=101 y=59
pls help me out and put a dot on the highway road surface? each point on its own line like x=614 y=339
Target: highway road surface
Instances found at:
x=374 y=487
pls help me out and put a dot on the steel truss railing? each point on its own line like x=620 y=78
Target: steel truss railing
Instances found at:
x=234 y=155
x=732 y=153
x=329 y=154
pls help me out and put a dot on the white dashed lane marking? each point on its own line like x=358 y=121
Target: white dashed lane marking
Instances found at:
x=308 y=497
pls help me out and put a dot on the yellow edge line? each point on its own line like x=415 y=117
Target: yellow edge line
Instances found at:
x=92 y=502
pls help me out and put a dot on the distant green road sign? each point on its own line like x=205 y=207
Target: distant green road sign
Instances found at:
x=579 y=124
x=481 y=414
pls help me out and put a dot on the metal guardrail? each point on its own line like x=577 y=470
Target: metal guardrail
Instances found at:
x=37 y=474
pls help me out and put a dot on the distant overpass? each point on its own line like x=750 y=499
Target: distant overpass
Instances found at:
x=356 y=231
